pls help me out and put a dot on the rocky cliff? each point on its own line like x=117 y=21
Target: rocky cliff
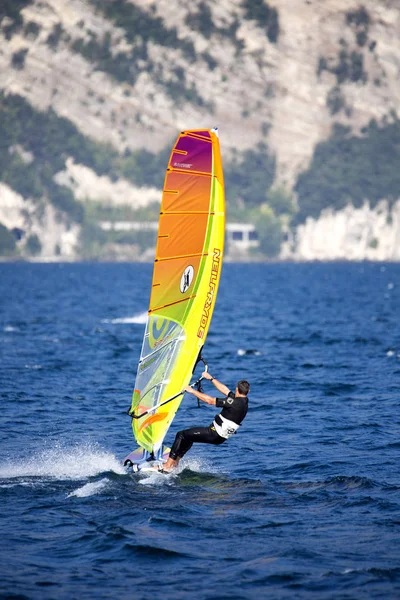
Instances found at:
x=131 y=74
x=350 y=234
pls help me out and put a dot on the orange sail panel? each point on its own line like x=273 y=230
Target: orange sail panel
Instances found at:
x=186 y=274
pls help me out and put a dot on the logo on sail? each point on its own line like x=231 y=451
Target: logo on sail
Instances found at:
x=211 y=292
x=183 y=165
x=157 y=329
x=186 y=279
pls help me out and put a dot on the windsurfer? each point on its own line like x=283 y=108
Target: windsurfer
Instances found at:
x=234 y=409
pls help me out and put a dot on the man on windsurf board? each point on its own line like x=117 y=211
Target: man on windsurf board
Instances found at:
x=234 y=409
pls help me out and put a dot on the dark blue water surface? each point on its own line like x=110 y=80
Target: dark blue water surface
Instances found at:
x=303 y=503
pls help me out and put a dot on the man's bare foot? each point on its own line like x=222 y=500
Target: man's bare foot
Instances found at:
x=162 y=469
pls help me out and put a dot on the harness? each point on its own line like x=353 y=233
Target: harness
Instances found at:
x=224 y=427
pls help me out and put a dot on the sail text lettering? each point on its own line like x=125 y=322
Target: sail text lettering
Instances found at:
x=210 y=294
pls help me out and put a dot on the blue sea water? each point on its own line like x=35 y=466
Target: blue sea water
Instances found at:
x=303 y=503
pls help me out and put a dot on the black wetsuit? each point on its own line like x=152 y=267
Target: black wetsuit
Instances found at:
x=234 y=408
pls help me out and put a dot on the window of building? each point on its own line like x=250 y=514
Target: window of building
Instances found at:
x=253 y=236
x=237 y=235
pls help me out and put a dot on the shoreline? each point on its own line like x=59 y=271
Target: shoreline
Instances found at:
x=229 y=260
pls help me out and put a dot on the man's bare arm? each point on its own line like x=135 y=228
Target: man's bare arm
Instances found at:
x=220 y=386
x=203 y=397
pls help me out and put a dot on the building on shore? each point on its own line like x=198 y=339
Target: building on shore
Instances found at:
x=240 y=237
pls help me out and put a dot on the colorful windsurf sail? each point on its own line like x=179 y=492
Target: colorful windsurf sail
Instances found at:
x=186 y=275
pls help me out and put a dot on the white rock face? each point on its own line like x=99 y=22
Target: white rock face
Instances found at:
x=13 y=208
x=58 y=239
x=350 y=234
x=87 y=185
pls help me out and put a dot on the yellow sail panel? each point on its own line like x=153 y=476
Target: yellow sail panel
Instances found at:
x=186 y=274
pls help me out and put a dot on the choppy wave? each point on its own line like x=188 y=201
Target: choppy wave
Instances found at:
x=248 y=352
x=337 y=483
x=90 y=489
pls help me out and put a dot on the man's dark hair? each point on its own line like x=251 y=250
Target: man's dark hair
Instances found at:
x=243 y=387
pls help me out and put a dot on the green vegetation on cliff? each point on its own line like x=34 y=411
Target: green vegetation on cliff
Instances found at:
x=269 y=228
x=33 y=245
x=8 y=246
x=34 y=146
x=11 y=9
x=140 y=27
x=49 y=140
x=265 y=16
x=24 y=130
x=345 y=169
x=248 y=177
x=350 y=169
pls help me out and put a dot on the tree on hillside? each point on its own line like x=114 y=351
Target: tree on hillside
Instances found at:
x=249 y=176
x=7 y=242
x=269 y=229
x=33 y=245
x=350 y=169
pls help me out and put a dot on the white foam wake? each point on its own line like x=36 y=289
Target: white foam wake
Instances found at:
x=90 y=489
x=195 y=464
x=139 y=319
x=60 y=462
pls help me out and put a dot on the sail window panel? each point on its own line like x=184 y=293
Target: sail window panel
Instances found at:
x=193 y=154
x=150 y=379
x=169 y=284
x=186 y=192
x=163 y=340
x=154 y=369
x=181 y=235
